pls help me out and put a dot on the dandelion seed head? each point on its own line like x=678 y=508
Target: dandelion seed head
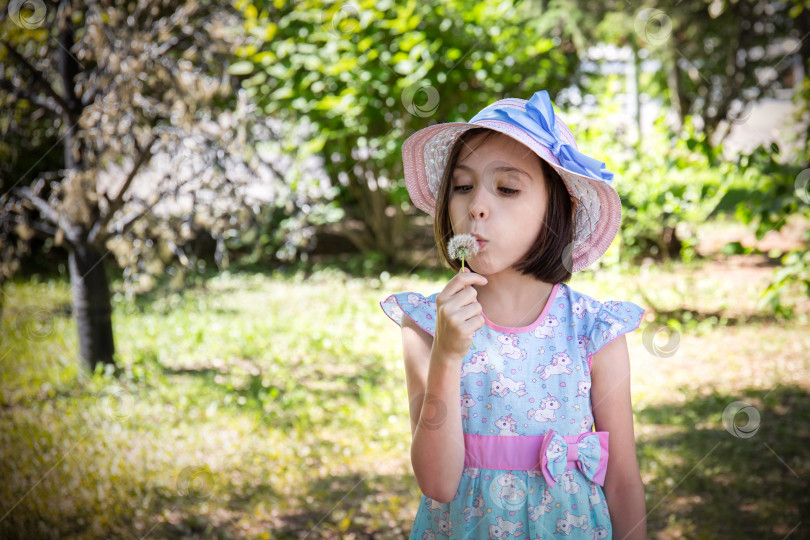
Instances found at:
x=462 y=246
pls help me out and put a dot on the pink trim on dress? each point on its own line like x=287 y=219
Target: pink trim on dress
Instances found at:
x=525 y=453
x=519 y=329
x=601 y=469
x=503 y=452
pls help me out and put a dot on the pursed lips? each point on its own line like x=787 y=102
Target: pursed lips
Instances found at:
x=481 y=241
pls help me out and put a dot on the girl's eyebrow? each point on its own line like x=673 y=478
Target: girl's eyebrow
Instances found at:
x=503 y=168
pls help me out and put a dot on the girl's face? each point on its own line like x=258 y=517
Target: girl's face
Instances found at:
x=498 y=194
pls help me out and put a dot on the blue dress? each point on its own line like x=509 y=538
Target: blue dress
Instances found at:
x=526 y=382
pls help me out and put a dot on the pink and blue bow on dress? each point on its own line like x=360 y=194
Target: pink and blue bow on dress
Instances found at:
x=540 y=122
x=586 y=451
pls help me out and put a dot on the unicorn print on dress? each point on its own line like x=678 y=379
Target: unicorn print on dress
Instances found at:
x=567 y=523
x=467 y=401
x=536 y=512
x=546 y=330
x=477 y=510
x=588 y=446
x=507 y=425
x=419 y=301
x=509 y=347
x=555 y=450
x=433 y=504
x=504 y=385
x=509 y=490
x=581 y=307
x=582 y=345
x=445 y=525
x=477 y=364
x=612 y=305
x=585 y=424
x=599 y=533
x=495 y=532
x=582 y=388
x=428 y=535
x=559 y=366
x=396 y=311
x=569 y=482
x=614 y=329
x=594 y=496
x=504 y=527
x=545 y=413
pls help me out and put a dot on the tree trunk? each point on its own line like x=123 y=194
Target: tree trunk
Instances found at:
x=91 y=306
x=677 y=97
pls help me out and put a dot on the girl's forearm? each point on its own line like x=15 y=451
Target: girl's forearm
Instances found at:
x=628 y=510
x=437 y=449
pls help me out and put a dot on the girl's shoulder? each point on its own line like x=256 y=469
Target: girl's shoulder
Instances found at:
x=420 y=308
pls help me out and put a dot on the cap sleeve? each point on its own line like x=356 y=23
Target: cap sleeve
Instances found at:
x=419 y=308
x=612 y=320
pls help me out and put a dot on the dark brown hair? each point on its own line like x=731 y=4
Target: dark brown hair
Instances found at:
x=544 y=260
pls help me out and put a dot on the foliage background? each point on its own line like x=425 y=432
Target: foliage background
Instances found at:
x=257 y=389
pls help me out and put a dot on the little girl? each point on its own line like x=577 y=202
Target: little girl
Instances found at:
x=519 y=386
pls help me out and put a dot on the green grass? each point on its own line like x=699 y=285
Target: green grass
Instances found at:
x=274 y=406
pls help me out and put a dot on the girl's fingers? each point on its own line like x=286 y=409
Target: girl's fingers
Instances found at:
x=470 y=311
x=462 y=281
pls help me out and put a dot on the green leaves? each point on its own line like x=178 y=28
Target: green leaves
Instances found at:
x=241 y=68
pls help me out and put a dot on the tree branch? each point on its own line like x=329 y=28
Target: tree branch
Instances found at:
x=22 y=94
x=41 y=228
x=118 y=201
x=50 y=214
x=39 y=78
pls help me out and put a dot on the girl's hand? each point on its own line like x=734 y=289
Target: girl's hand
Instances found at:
x=458 y=315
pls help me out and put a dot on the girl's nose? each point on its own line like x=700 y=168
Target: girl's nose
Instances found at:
x=478 y=207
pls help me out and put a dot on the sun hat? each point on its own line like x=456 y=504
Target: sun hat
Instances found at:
x=535 y=124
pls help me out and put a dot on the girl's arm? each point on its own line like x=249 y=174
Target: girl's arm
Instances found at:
x=612 y=412
x=437 y=447
x=433 y=372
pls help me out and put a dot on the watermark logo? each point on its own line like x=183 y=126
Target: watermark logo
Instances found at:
x=433 y=413
x=34 y=323
x=115 y=402
x=802 y=186
x=195 y=483
x=420 y=99
x=345 y=22
x=27 y=14
x=661 y=340
x=653 y=25
x=733 y=426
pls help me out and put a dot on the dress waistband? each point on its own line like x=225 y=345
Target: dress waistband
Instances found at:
x=550 y=453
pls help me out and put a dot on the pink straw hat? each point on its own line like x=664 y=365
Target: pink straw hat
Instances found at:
x=535 y=124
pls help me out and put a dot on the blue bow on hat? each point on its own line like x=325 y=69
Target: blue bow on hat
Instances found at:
x=589 y=452
x=540 y=122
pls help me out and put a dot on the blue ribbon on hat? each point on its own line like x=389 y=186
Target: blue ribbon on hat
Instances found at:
x=590 y=451
x=540 y=122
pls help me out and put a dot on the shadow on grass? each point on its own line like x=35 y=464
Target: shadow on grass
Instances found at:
x=719 y=317
x=286 y=402
x=372 y=505
x=340 y=506
x=710 y=483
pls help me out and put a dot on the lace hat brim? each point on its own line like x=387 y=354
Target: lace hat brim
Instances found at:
x=598 y=212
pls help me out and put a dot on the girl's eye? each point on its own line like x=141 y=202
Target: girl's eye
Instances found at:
x=504 y=190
